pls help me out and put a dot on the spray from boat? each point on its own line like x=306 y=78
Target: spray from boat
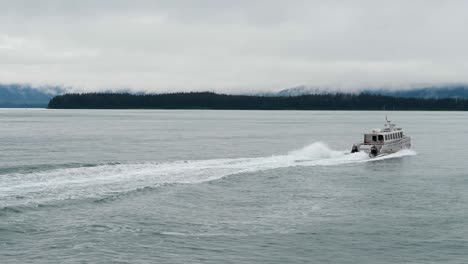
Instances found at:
x=104 y=180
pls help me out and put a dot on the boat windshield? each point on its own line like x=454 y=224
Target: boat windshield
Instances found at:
x=369 y=138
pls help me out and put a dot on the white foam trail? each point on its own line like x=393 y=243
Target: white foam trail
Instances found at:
x=399 y=154
x=104 y=180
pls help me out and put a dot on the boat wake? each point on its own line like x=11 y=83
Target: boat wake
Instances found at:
x=100 y=181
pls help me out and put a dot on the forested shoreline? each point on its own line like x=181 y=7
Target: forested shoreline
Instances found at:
x=209 y=100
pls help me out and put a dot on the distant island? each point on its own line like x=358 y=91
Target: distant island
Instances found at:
x=28 y=95
x=209 y=100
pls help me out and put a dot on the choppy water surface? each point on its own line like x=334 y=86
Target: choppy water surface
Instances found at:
x=229 y=187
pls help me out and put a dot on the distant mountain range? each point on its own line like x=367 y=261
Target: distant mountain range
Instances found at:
x=427 y=92
x=433 y=92
x=22 y=95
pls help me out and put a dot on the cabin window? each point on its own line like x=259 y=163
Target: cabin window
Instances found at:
x=401 y=134
x=386 y=138
x=367 y=138
x=374 y=138
x=380 y=137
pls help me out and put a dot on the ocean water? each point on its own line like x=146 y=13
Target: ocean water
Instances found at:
x=126 y=186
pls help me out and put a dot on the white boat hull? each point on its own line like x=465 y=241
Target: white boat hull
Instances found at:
x=387 y=147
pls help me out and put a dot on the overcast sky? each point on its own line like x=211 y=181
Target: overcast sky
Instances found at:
x=231 y=46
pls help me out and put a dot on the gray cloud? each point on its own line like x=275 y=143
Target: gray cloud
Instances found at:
x=233 y=45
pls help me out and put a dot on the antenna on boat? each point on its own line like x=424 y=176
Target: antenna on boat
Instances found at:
x=389 y=123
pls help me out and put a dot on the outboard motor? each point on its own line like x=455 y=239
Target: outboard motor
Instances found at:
x=354 y=149
x=373 y=152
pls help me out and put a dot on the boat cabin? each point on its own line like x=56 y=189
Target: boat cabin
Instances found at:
x=377 y=136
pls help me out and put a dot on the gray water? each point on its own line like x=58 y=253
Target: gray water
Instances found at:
x=123 y=186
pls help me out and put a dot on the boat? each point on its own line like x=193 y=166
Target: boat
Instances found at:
x=379 y=142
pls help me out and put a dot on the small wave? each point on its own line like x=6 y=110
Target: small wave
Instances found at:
x=46 y=167
x=8 y=209
x=102 y=182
